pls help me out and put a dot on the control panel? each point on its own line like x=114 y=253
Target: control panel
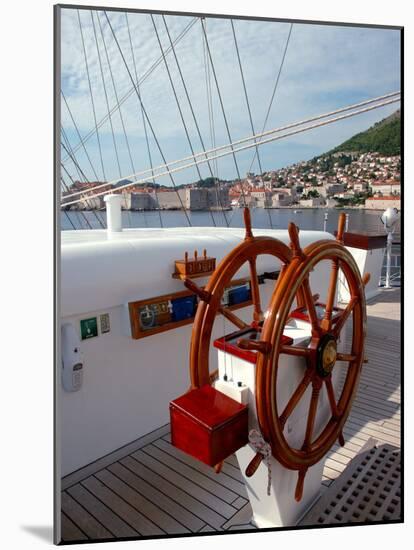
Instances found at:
x=169 y=311
x=72 y=363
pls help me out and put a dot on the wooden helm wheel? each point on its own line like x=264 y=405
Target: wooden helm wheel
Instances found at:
x=210 y=304
x=320 y=356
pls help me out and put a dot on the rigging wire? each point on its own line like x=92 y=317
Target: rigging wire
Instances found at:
x=249 y=111
x=262 y=135
x=79 y=135
x=82 y=214
x=106 y=97
x=222 y=105
x=66 y=140
x=131 y=90
x=119 y=112
x=116 y=95
x=192 y=109
x=84 y=176
x=63 y=183
x=148 y=120
x=275 y=87
x=210 y=109
x=69 y=219
x=262 y=142
x=144 y=124
x=91 y=94
x=81 y=175
x=245 y=90
x=179 y=106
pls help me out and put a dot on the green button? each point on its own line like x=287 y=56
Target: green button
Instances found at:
x=89 y=328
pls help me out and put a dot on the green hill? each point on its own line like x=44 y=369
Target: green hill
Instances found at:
x=384 y=137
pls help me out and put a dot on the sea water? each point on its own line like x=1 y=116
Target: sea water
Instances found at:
x=312 y=218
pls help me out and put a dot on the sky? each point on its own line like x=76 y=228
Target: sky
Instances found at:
x=325 y=68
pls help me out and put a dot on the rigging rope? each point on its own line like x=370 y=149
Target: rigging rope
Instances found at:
x=262 y=142
x=222 y=105
x=146 y=116
x=91 y=94
x=210 y=110
x=178 y=105
x=106 y=93
x=275 y=87
x=192 y=109
x=79 y=135
x=249 y=111
x=143 y=123
x=82 y=213
x=131 y=91
x=76 y=211
x=116 y=95
x=81 y=175
x=84 y=176
x=264 y=134
x=245 y=91
x=69 y=219
x=120 y=115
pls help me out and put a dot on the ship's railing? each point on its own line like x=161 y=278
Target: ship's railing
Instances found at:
x=395 y=276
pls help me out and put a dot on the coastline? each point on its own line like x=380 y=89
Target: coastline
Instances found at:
x=215 y=209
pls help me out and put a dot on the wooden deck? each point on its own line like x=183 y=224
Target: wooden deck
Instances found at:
x=149 y=488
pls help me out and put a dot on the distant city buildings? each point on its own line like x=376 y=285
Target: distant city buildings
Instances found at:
x=340 y=179
x=382 y=203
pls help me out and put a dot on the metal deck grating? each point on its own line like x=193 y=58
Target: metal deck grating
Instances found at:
x=150 y=488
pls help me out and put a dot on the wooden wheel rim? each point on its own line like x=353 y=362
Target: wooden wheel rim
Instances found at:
x=206 y=313
x=267 y=366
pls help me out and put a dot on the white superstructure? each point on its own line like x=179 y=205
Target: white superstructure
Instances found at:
x=127 y=384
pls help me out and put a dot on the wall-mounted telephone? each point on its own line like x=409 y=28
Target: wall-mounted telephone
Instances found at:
x=72 y=364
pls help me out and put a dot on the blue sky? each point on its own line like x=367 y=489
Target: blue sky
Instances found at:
x=326 y=67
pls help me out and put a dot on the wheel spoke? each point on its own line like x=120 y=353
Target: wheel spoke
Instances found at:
x=341 y=227
x=299 y=485
x=297 y=352
x=327 y=320
x=296 y=397
x=293 y=231
x=348 y=357
x=310 y=306
x=344 y=317
x=313 y=407
x=254 y=285
x=331 y=397
x=230 y=316
x=300 y=298
x=247 y=223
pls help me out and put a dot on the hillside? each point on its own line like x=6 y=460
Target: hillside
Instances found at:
x=384 y=137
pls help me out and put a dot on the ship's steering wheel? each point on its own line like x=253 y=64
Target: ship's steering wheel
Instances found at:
x=320 y=355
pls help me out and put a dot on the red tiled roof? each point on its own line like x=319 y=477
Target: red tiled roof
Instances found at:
x=386 y=198
x=386 y=182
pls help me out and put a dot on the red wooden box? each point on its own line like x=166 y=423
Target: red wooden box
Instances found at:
x=208 y=425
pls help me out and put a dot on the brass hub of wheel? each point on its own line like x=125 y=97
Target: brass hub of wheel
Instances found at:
x=329 y=356
x=326 y=356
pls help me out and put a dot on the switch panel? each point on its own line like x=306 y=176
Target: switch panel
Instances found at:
x=105 y=323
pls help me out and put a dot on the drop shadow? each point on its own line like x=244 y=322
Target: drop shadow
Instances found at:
x=42 y=532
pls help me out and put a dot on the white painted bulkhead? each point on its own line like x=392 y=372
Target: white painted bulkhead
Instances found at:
x=128 y=384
